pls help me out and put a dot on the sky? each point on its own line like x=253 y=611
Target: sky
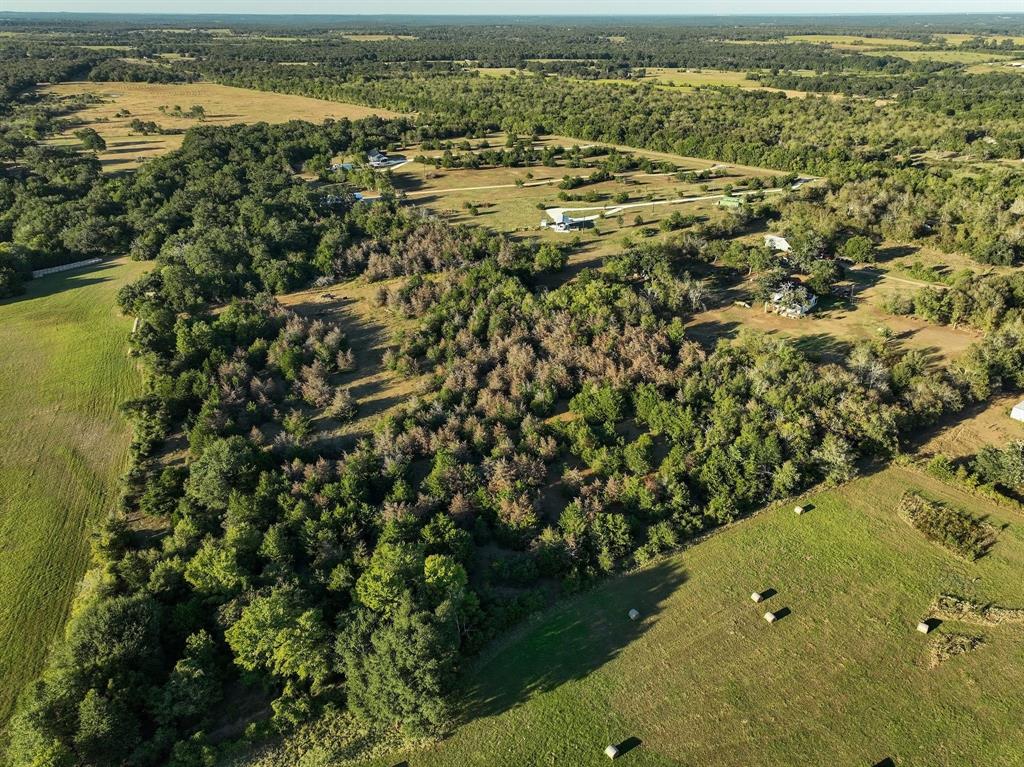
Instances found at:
x=519 y=7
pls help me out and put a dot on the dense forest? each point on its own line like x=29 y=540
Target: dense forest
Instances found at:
x=564 y=429
x=358 y=578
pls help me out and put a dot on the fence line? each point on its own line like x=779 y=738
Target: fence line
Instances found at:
x=64 y=267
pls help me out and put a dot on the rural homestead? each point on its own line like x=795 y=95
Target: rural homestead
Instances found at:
x=443 y=386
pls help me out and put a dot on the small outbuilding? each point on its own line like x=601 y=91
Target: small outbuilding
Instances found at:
x=611 y=752
x=634 y=614
x=1017 y=413
x=924 y=627
x=771 y=617
x=563 y=222
x=777 y=242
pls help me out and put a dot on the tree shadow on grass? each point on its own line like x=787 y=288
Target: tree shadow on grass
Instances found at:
x=882 y=255
x=708 y=334
x=111 y=145
x=823 y=347
x=59 y=282
x=569 y=641
x=628 y=745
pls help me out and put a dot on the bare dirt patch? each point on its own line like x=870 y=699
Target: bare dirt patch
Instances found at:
x=987 y=425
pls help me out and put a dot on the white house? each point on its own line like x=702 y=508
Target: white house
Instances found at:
x=775 y=242
x=377 y=159
x=1017 y=414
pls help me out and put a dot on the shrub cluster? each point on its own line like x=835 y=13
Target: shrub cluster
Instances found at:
x=956 y=529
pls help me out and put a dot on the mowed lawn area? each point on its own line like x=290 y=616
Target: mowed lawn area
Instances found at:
x=64 y=370
x=703 y=680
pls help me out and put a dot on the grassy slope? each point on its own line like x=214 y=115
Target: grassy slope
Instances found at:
x=63 y=371
x=705 y=681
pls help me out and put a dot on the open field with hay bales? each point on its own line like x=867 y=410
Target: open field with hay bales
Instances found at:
x=702 y=679
x=64 y=372
x=224 y=105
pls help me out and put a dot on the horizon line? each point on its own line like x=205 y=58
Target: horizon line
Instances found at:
x=519 y=15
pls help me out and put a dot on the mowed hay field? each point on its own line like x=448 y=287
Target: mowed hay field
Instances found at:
x=855 y=41
x=703 y=680
x=224 y=105
x=63 y=372
x=688 y=79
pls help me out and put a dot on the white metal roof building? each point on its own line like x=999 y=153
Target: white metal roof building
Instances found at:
x=776 y=242
x=1017 y=414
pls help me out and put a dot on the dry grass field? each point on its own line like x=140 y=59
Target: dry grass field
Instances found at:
x=367 y=38
x=683 y=80
x=64 y=372
x=688 y=79
x=909 y=49
x=986 y=424
x=1013 y=66
x=224 y=105
x=955 y=39
x=949 y=57
x=854 y=42
x=829 y=332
